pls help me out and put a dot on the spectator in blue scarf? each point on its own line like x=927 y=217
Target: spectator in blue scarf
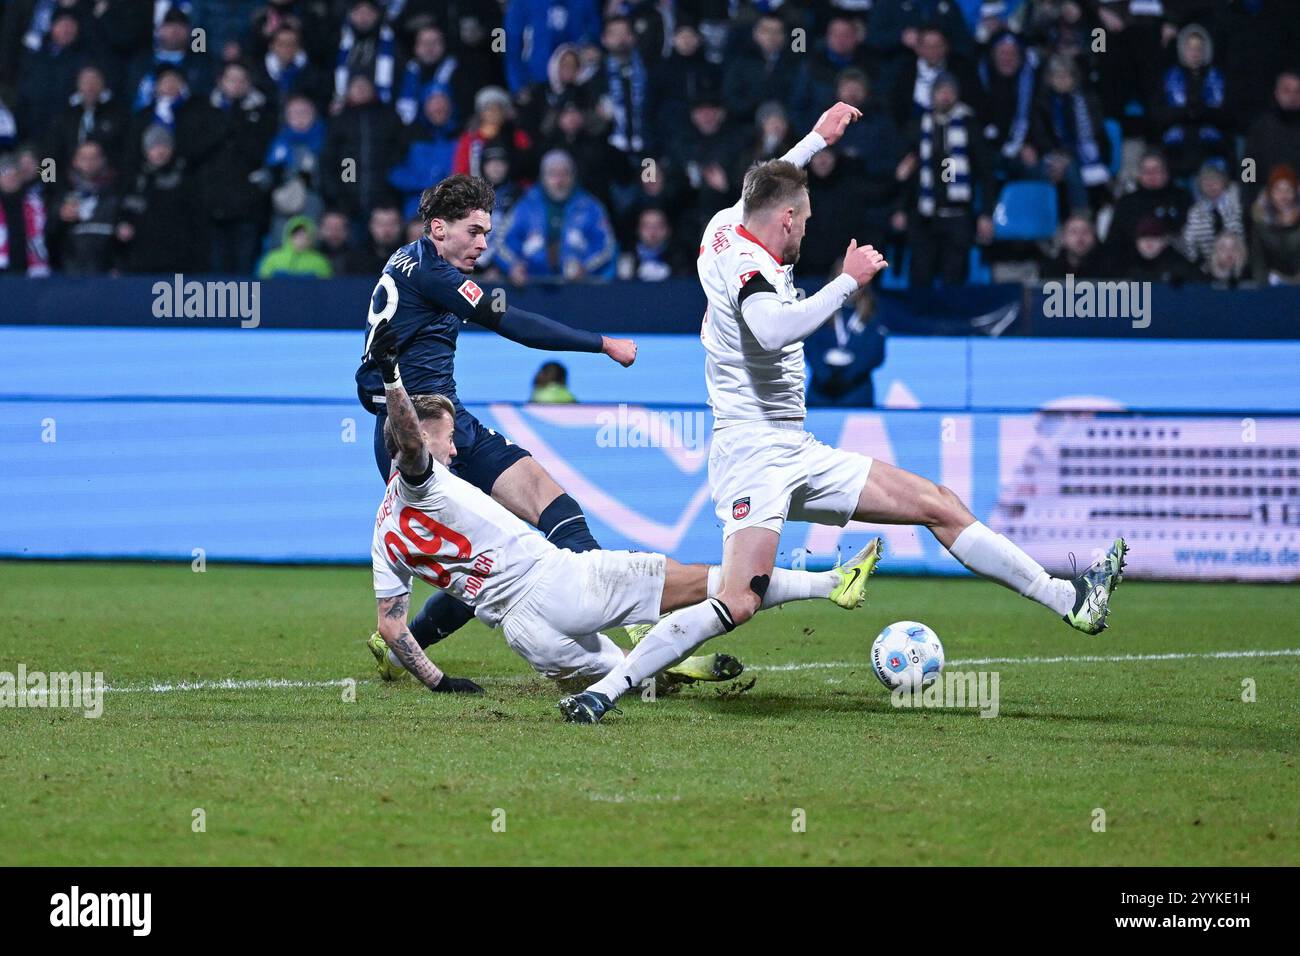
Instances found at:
x=367 y=47
x=430 y=63
x=1067 y=139
x=432 y=146
x=1008 y=79
x=951 y=187
x=172 y=108
x=292 y=169
x=623 y=83
x=285 y=70
x=172 y=47
x=1191 y=118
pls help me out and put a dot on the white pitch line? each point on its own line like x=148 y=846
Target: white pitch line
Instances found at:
x=272 y=683
x=1064 y=659
x=1123 y=658
x=268 y=683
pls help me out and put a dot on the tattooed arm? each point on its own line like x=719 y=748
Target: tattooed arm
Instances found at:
x=412 y=457
x=398 y=637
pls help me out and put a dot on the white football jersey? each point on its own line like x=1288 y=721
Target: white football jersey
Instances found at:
x=456 y=538
x=746 y=381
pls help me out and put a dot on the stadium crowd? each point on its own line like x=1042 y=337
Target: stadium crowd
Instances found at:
x=293 y=137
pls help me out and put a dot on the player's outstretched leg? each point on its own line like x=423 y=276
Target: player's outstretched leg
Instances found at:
x=668 y=641
x=895 y=496
x=748 y=556
x=844 y=586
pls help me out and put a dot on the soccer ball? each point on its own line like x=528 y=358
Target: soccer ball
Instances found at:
x=907 y=654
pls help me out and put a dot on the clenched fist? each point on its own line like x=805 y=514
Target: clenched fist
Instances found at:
x=622 y=351
x=862 y=263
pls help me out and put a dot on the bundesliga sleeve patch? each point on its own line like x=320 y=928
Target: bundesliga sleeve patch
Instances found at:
x=470 y=291
x=740 y=508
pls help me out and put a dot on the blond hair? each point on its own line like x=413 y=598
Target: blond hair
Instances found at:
x=427 y=408
x=775 y=182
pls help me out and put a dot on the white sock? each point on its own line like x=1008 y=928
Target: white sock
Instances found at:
x=785 y=585
x=997 y=558
x=392 y=659
x=672 y=639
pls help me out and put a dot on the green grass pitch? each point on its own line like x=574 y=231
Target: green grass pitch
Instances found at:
x=1185 y=771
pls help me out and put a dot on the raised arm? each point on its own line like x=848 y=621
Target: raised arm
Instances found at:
x=398 y=637
x=829 y=129
x=413 y=457
x=827 y=132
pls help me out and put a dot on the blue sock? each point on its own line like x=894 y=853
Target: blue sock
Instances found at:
x=565 y=526
x=441 y=615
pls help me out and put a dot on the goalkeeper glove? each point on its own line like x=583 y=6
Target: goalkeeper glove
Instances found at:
x=382 y=350
x=456 y=685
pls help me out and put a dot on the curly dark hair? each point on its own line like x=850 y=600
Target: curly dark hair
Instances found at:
x=455 y=198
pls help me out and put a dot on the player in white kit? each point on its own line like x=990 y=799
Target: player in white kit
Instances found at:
x=764 y=468
x=550 y=603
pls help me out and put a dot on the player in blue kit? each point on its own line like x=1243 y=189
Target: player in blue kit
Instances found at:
x=425 y=293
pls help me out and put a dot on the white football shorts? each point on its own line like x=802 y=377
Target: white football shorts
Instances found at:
x=556 y=625
x=763 y=473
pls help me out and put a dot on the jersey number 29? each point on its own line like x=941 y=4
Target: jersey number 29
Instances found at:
x=423 y=563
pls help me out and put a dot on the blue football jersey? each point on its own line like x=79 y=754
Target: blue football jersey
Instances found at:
x=426 y=299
